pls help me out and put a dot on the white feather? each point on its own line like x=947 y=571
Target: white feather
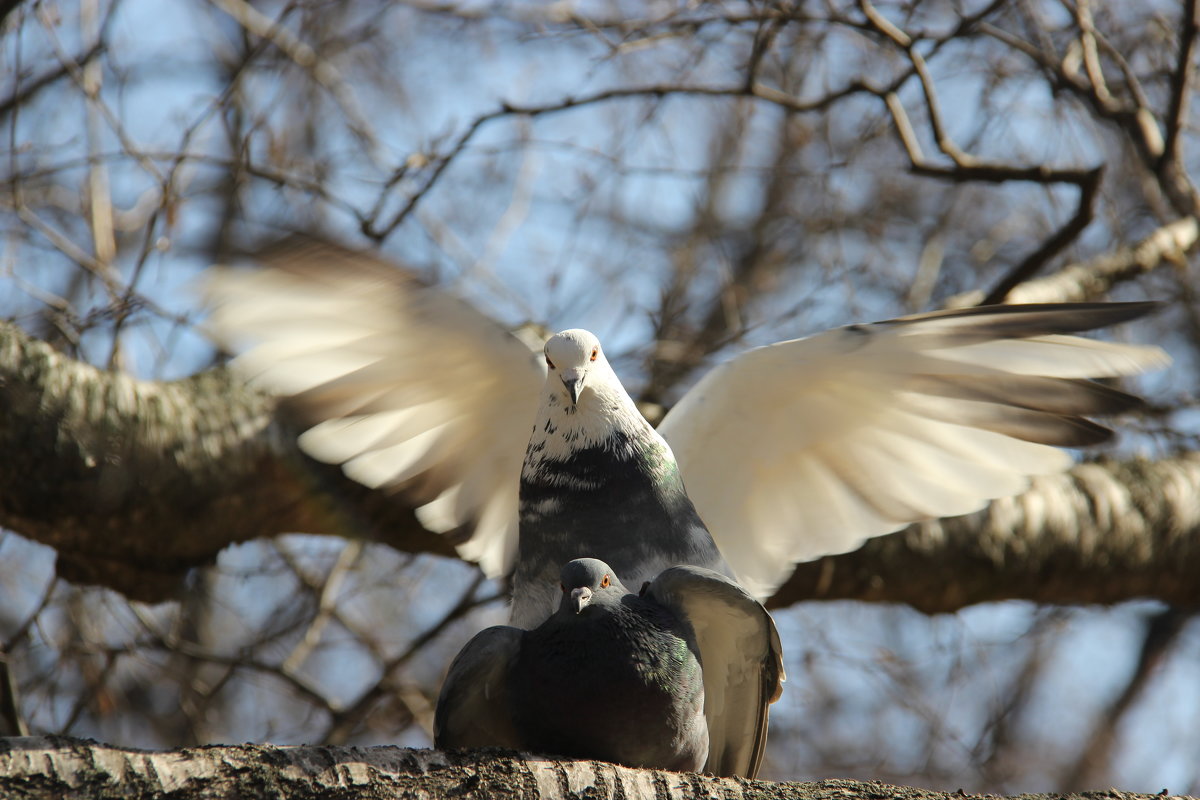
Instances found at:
x=789 y=452
x=451 y=395
x=1060 y=356
x=808 y=447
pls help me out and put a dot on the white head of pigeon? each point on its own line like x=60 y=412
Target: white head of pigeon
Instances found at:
x=572 y=355
x=582 y=399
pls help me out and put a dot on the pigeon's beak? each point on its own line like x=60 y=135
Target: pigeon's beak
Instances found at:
x=580 y=598
x=573 y=380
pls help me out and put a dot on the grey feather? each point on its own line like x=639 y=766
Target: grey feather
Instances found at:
x=742 y=659
x=1020 y=321
x=1052 y=395
x=598 y=480
x=473 y=706
x=609 y=676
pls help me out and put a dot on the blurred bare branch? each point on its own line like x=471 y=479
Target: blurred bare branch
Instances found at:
x=1162 y=631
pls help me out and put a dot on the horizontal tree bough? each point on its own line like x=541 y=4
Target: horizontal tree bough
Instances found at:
x=133 y=483
x=65 y=769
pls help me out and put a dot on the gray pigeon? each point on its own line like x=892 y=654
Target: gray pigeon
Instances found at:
x=618 y=677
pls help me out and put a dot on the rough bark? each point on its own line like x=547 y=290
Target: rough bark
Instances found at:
x=62 y=768
x=1089 y=280
x=1102 y=533
x=133 y=483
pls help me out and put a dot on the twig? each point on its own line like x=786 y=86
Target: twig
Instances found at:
x=344 y=722
x=26 y=90
x=11 y=721
x=326 y=605
x=1181 y=85
x=1091 y=60
x=1162 y=631
x=1095 y=278
x=378 y=232
x=969 y=168
x=1032 y=263
x=304 y=56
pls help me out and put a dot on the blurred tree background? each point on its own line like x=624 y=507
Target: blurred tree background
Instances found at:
x=687 y=179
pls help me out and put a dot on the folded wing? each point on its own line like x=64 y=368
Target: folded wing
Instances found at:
x=740 y=655
x=808 y=447
x=474 y=707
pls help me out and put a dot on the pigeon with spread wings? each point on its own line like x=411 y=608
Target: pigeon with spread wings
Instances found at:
x=788 y=452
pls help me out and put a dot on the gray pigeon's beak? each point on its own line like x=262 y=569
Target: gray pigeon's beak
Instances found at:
x=573 y=380
x=580 y=598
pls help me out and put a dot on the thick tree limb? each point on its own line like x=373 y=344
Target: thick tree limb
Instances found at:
x=133 y=483
x=7 y=7
x=1102 y=533
x=58 y=767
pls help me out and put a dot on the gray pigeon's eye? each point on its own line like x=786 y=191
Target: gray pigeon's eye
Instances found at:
x=595 y=352
x=549 y=363
x=604 y=582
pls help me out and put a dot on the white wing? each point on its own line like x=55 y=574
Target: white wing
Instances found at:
x=408 y=387
x=808 y=447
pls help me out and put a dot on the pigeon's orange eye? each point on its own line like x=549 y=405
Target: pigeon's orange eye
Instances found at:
x=604 y=582
x=595 y=352
x=549 y=363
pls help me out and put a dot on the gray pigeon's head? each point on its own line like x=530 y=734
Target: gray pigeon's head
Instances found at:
x=572 y=357
x=589 y=582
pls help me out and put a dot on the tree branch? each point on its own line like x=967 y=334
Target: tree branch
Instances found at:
x=1070 y=230
x=967 y=167
x=1101 y=533
x=1162 y=632
x=59 y=767
x=1170 y=166
x=133 y=483
x=1092 y=279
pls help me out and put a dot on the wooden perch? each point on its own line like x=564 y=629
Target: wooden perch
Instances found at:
x=133 y=483
x=63 y=768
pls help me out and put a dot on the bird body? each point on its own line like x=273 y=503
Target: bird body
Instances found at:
x=617 y=676
x=618 y=681
x=598 y=481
